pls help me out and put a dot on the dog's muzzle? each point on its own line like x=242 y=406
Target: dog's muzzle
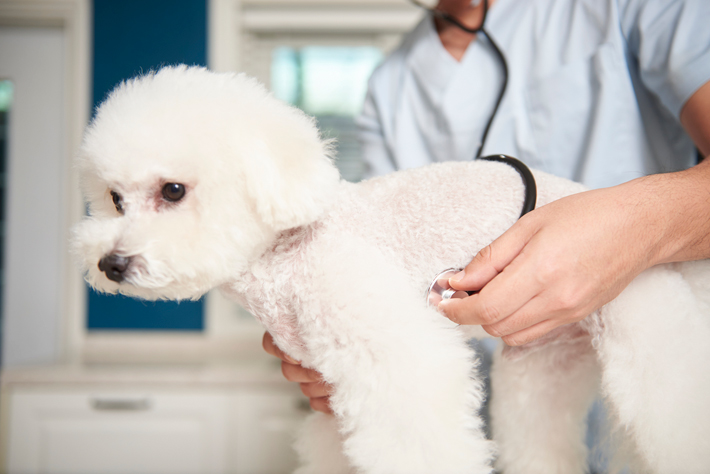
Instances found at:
x=114 y=266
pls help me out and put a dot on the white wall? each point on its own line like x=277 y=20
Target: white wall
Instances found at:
x=33 y=59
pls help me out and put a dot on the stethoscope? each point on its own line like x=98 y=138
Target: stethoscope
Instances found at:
x=439 y=289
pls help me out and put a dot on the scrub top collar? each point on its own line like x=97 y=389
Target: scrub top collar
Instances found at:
x=432 y=65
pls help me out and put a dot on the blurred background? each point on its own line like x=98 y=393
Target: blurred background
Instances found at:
x=96 y=384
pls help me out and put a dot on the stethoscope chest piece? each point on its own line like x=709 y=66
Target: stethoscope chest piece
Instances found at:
x=440 y=289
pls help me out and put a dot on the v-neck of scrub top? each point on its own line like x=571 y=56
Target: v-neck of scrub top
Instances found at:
x=460 y=96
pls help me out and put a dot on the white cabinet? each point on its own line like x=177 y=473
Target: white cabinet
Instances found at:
x=265 y=427
x=59 y=430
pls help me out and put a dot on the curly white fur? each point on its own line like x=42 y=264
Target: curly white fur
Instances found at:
x=336 y=272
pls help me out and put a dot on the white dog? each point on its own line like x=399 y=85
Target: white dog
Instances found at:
x=197 y=180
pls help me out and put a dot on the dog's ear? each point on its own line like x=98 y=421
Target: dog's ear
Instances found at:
x=290 y=176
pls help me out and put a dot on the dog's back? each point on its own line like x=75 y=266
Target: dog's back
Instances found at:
x=439 y=216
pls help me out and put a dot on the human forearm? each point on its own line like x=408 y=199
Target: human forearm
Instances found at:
x=682 y=216
x=687 y=206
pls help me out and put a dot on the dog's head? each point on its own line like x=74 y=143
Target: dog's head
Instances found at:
x=188 y=175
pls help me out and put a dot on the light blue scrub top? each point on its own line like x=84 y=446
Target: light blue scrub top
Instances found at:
x=594 y=94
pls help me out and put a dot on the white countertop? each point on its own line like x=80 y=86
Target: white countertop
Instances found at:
x=258 y=372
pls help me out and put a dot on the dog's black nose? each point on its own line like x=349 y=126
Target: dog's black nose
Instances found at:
x=114 y=266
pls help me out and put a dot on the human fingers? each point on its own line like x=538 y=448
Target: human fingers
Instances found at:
x=532 y=333
x=528 y=315
x=548 y=305
x=311 y=381
x=270 y=347
x=316 y=389
x=504 y=295
x=298 y=373
x=318 y=394
x=491 y=260
x=321 y=404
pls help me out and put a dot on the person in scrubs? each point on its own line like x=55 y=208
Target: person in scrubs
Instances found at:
x=614 y=94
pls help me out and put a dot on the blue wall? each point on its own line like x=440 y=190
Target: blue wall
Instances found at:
x=131 y=37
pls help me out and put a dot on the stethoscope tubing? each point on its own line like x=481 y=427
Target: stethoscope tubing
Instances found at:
x=437 y=290
x=526 y=175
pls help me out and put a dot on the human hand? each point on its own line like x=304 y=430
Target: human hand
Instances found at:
x=559 y=263
x=311 y=382
x=564 y=260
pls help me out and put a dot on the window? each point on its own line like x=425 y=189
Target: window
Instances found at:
x=328 y=82
x=319 y=58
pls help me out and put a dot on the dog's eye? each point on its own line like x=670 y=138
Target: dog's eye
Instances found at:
x=173 y=192
x=117 y=201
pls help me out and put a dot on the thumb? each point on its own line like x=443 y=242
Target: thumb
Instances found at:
x=491 y=260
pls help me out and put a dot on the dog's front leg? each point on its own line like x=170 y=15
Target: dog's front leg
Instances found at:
x=405 y=395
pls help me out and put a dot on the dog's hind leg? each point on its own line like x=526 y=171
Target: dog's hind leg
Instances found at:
x=654 y=346
x=540 y=399
x=404 y=389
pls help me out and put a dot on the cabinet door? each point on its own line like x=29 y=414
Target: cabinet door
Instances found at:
x=266 y=423
x=122 y=432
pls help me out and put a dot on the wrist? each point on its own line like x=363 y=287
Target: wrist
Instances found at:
x=675 y=210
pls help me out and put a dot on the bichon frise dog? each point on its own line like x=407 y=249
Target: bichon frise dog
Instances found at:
x=197 y=180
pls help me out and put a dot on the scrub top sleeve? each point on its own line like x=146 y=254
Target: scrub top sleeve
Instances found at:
x=373 y=148
x=670 y=40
